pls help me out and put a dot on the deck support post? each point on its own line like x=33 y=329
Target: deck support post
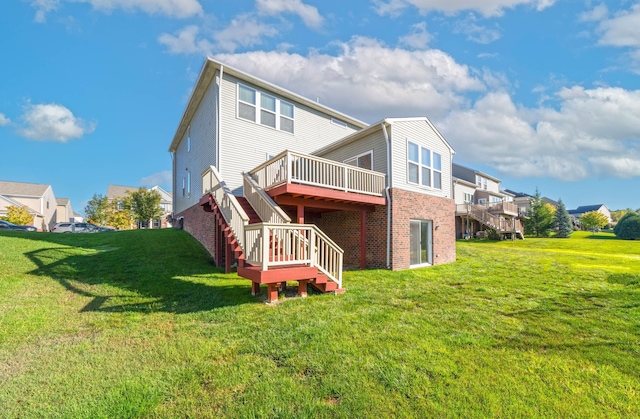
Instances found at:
x=302 y=288
x=272 y=293
x=255 y=288
x=300 y=214
x=227 y=256
x=363 y=240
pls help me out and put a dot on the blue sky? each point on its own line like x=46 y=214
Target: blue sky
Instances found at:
x=540 y=93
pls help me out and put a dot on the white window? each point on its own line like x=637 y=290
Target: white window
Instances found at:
x=495 y=200
x=183 y=185
x=424 y=166
x=420 y=246
x=188 y=184
x=273 y=112
x=468 y=197
x=482 y=201
x=189 y=138
x=364 y=160
x=338 y=123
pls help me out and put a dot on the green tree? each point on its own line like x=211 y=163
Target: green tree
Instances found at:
x=97 y=209
x=120 y=215
x=628 y=228
x=619 y=224
x=145 y=205
x=617 y=215
x=562 y=221
x=18 y=215
x=540 y=220
x=593 y=219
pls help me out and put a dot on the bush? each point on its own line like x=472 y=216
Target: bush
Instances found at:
x=616 y=229
x=628 y=228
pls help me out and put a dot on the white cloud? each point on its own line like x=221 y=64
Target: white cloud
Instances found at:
x=309 y=14
x=42 y=8
x=159 y=178
x=243 y=31
x=418 y=38
x=598 y=13
x=622 y=30
x=171 y=8
x=475 y=32
x=485 y=7
x=52 y=122
x=4 y=121
x=186 y=41
x=364 y=79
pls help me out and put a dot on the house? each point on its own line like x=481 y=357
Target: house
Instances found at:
x=117 y=192
x=601 y=208
x=292 y=190
x=64 y=211
x=39 y=199
x=481 y=204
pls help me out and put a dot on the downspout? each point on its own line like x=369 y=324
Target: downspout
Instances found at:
x=386 y=191
x=218 y=130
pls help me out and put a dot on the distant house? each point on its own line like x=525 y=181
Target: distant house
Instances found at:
x=64 y=211
x=523 y=202
x=38 y=198
x=601 y=208
x=481 y=204
x=116 y=192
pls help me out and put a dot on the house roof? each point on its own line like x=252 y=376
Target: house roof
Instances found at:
x=586 y=208
x=116 y=191
x=464 y=172
x=518 y=194
x=377 y=127
x=62 y=201
x=207 y=74
x=22 y=188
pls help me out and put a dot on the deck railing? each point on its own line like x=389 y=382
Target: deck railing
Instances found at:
x=304 y=169
x=265 y=207
x=503 y=208
x=480 y=213
x=234 y=215
x=271 y=245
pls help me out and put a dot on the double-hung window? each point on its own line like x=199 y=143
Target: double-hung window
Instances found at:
x=424 y=166
x=265 y=109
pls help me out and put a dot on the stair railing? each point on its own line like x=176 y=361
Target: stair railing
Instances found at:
x=264 y=206
x=272 y=245
x=232 y=212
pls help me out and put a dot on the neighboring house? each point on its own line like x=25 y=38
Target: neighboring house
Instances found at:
x=481 y=204
x=523 y=202
x=77 y=218
x=38 y=198
x=247 y=153
x=601 y=208
x=64 y=211
x=116 y=192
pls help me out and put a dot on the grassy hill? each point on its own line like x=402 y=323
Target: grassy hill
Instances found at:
x=141 y=324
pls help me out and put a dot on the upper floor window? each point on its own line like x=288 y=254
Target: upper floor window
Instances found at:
x=338 y=123
x=481 y=182
x=264 y=109
x=188 y=184
x=468 y=197
x=364 y=160
x=189 y=139
x=424 y=166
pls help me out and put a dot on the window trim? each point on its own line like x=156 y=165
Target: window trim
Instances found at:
x=258 y=108
x=189 y=139
x=339 y=123
x=356 y=157
x=422 y=166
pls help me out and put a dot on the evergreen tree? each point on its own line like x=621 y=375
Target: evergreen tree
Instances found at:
x=540 y=220
x=562 y=221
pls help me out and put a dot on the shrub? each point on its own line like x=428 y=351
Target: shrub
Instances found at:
x=616 y=229
x=629 y=228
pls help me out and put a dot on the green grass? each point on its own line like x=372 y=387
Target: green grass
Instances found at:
x=141 y=324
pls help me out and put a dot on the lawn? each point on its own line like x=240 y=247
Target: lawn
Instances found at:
x=141 y=324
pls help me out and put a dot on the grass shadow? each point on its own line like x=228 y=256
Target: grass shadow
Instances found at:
x=149 y=276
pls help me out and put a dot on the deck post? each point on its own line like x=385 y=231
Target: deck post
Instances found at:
x=272 y=293
x=363 y=240
x=302 y=288
x=255 y=288
x=227 y=257
x=300 y=214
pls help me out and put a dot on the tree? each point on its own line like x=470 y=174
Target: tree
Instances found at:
x=120 y=214
x=540 y=218
x=617 y=229
x=18 y=215
x=562 y=221
x=97 y=209
x=617 y=215
x=628 y=228
x=593 y=219
x=145 y=205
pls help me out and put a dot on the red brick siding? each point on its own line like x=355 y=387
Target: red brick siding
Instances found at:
x=343 y=227
x=407 y=205
x=201 y=225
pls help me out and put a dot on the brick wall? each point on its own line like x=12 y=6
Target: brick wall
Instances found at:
x=343 y=227
x=407 y=205
x=201 y=225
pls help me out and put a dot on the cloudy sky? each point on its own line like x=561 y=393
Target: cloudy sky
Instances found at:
x=540 y=93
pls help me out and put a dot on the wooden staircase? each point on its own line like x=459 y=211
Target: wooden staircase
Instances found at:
x=275 y=253
x=502 y=226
